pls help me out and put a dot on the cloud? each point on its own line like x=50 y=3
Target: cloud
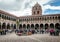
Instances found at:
x=52 y=7
x=47 y=7
x=7 y=1
x=21 y=13
x=20 y=3
x=53 y=3
x=11 y=5
x=20 y=7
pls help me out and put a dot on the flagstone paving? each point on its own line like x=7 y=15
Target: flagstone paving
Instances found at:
x=30 y=38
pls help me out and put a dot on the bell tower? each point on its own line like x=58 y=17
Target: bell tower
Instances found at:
x=36 y=9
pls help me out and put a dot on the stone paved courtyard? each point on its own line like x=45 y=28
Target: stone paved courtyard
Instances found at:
x=31 y=38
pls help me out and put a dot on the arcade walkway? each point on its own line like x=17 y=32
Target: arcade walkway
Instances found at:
x=32 y=38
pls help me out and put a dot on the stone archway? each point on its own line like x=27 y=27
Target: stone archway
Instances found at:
x=28 y=26
x=4 y=26
x=20 y=26
x=32 y=26
x=14 y=26
x=57 y=26
x=51 y=25
x=24 y=26
x=46 y=26
x=8 y=26
x=0 y=25
x=36 y=26
x=41 y=25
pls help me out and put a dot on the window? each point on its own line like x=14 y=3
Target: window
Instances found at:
x=37 y=12
x=7 y=17
x=59 y=17
x=50 y=17
x=2 y=16
x=34 y=12
x=56 y=17
x=36 y=8
x=53 y=17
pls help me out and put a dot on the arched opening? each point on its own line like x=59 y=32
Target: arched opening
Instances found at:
x=57 y=26
x=8 y=26
x=51 y=25
x=32 y=26
x=20 y=26
x=4 y=26
x=0 y=25
x=59 y=17
x=41 y=25
x=3 y=16
x=28 y=26
x=24 y=26
x=46 y=26
x=14 y=26
x=36 y=26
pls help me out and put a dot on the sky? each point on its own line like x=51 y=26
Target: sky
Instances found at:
x=24 y=7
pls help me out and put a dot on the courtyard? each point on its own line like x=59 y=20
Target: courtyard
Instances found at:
x=12 y=37
x=37 y=27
